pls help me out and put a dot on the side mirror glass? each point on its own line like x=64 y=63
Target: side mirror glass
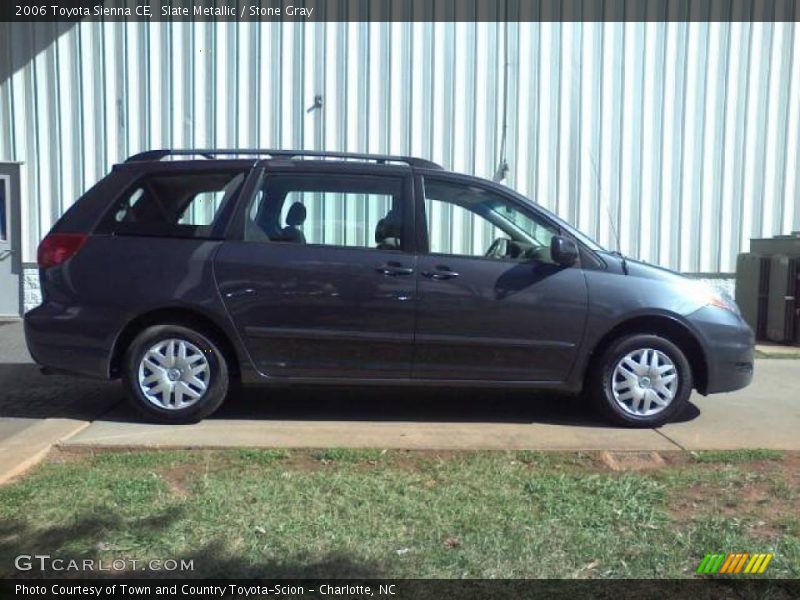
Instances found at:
x=563 y=251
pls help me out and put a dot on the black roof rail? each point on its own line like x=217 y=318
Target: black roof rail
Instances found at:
x=216 y=153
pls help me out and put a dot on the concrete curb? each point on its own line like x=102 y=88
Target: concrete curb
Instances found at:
x=256 y=433
x=27 y=448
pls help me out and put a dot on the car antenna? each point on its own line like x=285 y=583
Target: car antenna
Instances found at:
x=610 y=216
x=502 y=167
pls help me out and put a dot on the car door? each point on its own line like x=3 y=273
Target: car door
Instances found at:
x=321 y=283
x=492 y=304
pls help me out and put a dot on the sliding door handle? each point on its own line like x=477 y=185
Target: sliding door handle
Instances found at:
x=394 y=269
x=440 y=274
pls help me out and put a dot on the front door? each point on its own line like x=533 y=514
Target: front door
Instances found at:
x=10 y=261
x=492 y=303
x=323 y=282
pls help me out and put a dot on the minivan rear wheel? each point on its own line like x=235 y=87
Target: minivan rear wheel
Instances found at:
x=174 y=374
x=641 y=380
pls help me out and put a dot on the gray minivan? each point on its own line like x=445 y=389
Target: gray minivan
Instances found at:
x=184 y=272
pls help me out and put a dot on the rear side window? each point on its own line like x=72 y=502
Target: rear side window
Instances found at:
x=175 y=204
x=355 y=211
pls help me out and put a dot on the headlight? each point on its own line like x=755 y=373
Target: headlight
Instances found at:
x=707 y=296
x=724 y=301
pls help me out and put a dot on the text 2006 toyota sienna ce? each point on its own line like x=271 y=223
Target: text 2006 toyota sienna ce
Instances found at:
x=185 y=272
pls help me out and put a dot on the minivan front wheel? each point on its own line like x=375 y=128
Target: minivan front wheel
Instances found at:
x=175 y=374
x=641 y=380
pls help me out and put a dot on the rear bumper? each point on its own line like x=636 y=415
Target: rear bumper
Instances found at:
x=728 y=344
x=69 y=339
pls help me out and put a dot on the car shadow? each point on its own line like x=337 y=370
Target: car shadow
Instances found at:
x=84 y=538
x=26 y=393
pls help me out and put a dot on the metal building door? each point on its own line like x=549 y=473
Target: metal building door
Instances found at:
x=10 y=255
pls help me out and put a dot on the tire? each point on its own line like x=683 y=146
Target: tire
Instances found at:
x=649 y=361
x=187 y=383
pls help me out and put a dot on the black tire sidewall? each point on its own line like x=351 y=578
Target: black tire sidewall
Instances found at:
x=602 y=382
x=215 y=394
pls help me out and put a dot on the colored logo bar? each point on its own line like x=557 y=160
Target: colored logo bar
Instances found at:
x=734 y=563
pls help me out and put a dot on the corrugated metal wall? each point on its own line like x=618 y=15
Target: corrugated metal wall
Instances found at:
x=684 y=135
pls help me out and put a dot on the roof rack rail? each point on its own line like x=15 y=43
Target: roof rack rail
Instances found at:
x=216 y=153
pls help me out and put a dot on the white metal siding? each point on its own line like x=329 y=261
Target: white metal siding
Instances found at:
x=685 y=136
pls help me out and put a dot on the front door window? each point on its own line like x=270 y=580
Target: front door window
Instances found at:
x=464 y=220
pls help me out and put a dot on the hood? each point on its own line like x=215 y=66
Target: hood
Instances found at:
x=637 y=268
x=693 y=293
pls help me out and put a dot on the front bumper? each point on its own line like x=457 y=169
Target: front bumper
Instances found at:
x=728 y=344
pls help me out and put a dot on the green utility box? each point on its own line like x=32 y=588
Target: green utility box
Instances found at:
x=752 y=290
x=782 y=300
x=768 y=288
x=780 y=244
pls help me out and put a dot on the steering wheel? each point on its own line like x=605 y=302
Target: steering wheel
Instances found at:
x=496 y=250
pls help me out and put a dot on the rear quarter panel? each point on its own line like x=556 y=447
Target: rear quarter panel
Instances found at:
x=89 y=300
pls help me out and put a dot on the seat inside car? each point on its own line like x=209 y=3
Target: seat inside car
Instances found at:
x=388 y=231
x=294 y=220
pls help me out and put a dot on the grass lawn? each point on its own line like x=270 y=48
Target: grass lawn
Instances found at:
x=368 y=513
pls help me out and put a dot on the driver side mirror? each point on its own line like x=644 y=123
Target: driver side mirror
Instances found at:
x=563 y=251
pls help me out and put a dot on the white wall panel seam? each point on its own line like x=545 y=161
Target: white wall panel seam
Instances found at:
x=678 y=206
x=792 y=191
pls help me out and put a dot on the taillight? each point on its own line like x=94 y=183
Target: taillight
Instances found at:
x=58 y=248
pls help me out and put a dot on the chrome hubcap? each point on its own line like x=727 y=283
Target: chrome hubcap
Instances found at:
x=644 y=382
x=174 y=374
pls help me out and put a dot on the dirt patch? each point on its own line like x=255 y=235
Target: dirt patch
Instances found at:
x=770 y=511
x=178 y=478
x=632 y=461
x=763 y=502
x=59 y=455
x=791 y=464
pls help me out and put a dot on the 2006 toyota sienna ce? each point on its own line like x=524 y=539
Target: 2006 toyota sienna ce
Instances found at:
x=185 y=272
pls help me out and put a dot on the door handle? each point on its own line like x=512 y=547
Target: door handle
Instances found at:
x=243 y=292
x=440 y=274
x=394 y=269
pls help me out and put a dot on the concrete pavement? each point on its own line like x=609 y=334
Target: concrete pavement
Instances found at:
x=765 y=415
x=38 y=411
x=771 y=350
x=223 y=433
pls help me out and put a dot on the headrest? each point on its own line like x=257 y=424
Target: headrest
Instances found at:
x=296 y=215
x=389 y=226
